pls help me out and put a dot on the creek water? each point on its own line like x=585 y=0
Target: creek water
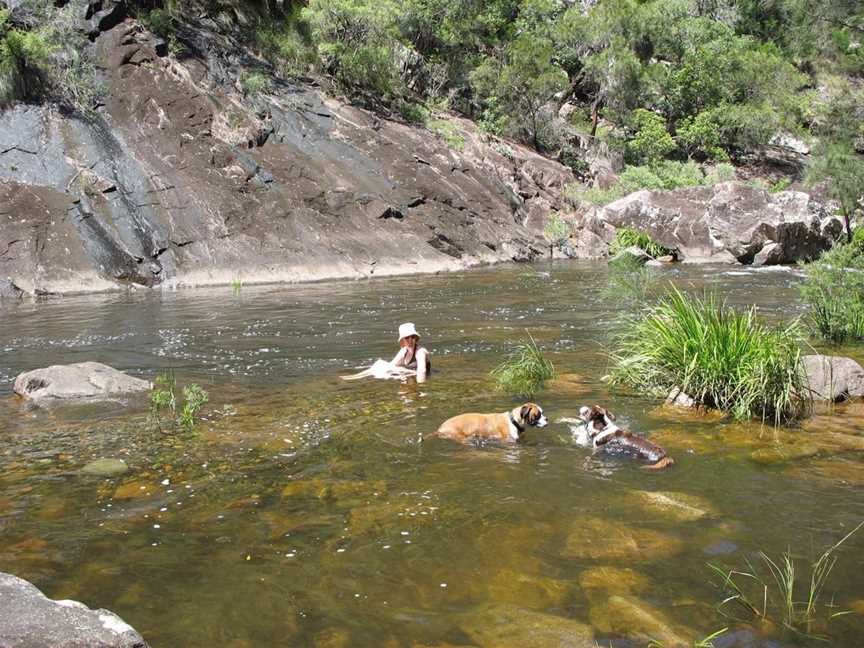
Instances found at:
x=307 y=511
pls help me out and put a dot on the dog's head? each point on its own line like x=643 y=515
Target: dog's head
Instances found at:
x=531 y=414
x=596 y=418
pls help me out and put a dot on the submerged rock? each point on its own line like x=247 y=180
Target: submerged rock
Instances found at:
x=29 y=619
x=677 y=506
x=601 y=582
x=105 y=467
x=785 y=452
x=600 y=539
x=334 y=489
x=633 y=255
x=84 y=380
x=509 y=626
x=833 y=378
x=528 y=590
x=636 y=619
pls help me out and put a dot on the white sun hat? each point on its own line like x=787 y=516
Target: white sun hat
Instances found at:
x=407 y=329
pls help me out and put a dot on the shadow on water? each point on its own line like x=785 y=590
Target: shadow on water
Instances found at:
x=312 y=512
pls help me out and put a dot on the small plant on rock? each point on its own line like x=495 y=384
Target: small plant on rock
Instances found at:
x=524 y=371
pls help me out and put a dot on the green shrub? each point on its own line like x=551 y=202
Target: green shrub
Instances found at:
x=414 y=112
x=557 y=230
x=834 y=290
x=651 y=141
x=253 y=83
x=781 y=185
x=448 y=132
x=159 y=21
x=722 y=358
x=286 y=46
x=663 y=176
x=357 y=43
x=24 y=61
x=524 y=371
x=626 y=237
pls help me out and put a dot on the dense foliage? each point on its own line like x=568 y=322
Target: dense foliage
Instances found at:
x=723 y=358
x=657 y=81
x=834 y=290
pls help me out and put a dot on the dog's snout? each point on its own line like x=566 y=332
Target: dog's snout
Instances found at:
x=542 y=421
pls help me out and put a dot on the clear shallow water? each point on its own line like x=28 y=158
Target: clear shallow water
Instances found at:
x=312 y=514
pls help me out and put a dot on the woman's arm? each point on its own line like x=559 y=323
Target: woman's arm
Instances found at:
x=422 y=363
x=398 y=357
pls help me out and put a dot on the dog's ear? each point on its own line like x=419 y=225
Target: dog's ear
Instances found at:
x=524 y=412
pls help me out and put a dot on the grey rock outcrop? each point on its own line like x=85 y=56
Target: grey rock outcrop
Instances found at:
x=833 y=378
x=729 y=222
x=29 y=619
x=180 y=179
x=84 y=380
x=632 y=255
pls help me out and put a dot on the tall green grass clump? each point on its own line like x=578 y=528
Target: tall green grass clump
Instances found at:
x=523 y=371
x=834 y=290
x=723 y=358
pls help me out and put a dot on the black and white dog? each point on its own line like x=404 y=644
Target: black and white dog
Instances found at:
x=596 y=428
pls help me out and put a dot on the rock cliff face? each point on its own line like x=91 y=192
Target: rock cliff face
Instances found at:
x=178 y=179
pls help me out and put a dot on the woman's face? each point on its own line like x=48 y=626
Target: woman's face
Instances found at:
x=411 y=341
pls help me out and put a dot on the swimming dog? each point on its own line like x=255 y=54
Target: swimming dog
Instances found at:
x=597 y=429
x=507 y=426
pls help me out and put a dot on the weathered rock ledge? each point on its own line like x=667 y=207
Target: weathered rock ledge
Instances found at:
x=179 y=179
x=29 y=619
x=81 y=381
x=730 y=222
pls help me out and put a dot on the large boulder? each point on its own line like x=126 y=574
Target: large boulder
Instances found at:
x=29 y=619
x=833 y=378
x=728 y=222
x=84 y=380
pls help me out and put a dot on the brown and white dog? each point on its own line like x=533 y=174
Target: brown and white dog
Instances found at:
x=597 y=429
x=507 y=427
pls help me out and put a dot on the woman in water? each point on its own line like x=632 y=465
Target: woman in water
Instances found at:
x=411 y=355
x=411 y=360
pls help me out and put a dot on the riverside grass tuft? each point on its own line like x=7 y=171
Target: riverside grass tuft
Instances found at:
x=723 y=358
x=524 y=370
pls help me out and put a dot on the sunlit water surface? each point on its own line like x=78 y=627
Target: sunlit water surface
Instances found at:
x=307 y=511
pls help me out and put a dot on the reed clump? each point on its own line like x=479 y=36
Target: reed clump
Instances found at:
x=723 y=358
x=783 y=590
x=524 y=371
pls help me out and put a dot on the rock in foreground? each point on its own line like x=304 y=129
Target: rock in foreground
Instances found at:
x=84 y=380
x=29 y=619
x=833 y=378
